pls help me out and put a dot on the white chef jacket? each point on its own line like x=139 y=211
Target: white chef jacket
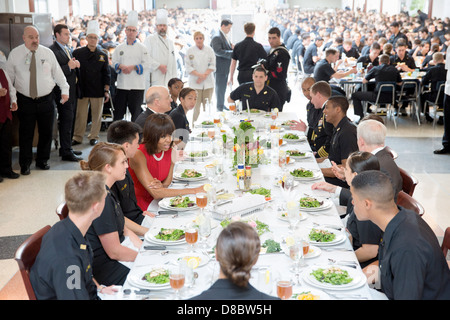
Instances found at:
x=162 y=52
x=135 y=54
x=200 y=60
x=48 y=71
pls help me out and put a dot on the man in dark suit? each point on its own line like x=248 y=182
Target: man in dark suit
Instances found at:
x=223 y=48
x=66 y=111
x=371 y=136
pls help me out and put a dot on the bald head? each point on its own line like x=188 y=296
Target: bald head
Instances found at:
x=31 y=37
x=158 y=99
x=306 y=87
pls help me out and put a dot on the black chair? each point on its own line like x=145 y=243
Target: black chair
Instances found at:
x=438 y=103
x=26 y=256
x=385 y=88
x=409 y=92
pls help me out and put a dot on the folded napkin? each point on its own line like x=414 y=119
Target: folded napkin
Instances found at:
x=127 y=243
x=325 y=164
x=241 y=204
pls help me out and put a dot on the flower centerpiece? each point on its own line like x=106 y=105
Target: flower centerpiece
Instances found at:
x=246 y=146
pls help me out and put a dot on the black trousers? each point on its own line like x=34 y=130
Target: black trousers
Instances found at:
x=132 y=99
x=370 y=96
x=282 y=89
x=221 y=87
x=66 y=120
x=446 y=137
x=245 y=76
x=5 y=146
x=40 y=111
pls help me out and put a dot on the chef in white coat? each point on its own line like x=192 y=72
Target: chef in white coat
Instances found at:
x=163 y=65
x=130 y=60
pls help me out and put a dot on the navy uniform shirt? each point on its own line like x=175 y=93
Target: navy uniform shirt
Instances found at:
x=107 y=271
x=266 y=100
x=248 y=52
x=63 y=267
x=308 y=62
x=407 y=59
x=124 y=192
x=94 y=72
x=323 y=71
x=365 y=60
x=343 y=142
x=322 y=132
x=411 y=262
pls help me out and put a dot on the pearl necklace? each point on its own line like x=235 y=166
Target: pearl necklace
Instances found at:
x=160 y=158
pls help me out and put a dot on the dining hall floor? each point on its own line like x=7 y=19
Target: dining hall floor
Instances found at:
x=28 y=203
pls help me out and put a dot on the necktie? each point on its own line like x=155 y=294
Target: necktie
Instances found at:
x=33 y=81
x=67 y=52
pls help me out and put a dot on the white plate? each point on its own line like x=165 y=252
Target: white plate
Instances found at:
x=312 y=253
x=177 y=176
x=322 y=295
x=187 y=157
x=327 y=204
x=301 y=138
x=317 y=174
x=306 y=156
x=340 y=237
x=165 y=204
x=358 y=279
x=150 y=237
x=280 y=216
x=135 y=279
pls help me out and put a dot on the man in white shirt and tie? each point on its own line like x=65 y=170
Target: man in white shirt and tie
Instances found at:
x=26 y=64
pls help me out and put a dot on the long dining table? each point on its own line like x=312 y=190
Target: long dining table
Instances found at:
x=250 y=208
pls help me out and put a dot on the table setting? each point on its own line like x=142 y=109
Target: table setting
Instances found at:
x=305 y=250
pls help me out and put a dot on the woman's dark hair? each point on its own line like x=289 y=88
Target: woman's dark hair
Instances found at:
x=173 y=81
x=362 y=161
x=237 y=251
x=185 y=91
x=156 y=126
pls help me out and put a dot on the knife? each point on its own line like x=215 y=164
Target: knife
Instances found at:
x=167 y=212
x=155 y=247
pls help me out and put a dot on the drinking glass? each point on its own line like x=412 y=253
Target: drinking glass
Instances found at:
x=284 y=287
x=219 y=170
x=273 y=114
x=202 y=200
x=204 y=230
x=210 y=172
x=265 y=280
x=191 y=236
x=293 y=213
x=305 y=246
x=177 y=278
x=282 y=158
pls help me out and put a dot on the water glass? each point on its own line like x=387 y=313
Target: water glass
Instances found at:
x=293 y=213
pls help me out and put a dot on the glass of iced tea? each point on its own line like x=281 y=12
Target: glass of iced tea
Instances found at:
x=284 y=288
x=202 y=200
x=177 y=277
x=191 y=236
x=232 y=107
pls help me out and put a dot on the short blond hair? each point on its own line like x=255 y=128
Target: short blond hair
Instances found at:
x=83 y=190
x=198 y=33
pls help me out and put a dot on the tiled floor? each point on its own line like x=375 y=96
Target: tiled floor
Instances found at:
x=28 y=203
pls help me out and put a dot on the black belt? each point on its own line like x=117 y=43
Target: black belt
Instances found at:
x=38 y=99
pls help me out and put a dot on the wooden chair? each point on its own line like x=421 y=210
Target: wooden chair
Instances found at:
x=406 y=201
x=446 y=244
x=26 y=256
x=409 y=182
x=62 y=211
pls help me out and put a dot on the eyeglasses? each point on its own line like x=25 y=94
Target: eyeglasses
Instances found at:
x=131 y=30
